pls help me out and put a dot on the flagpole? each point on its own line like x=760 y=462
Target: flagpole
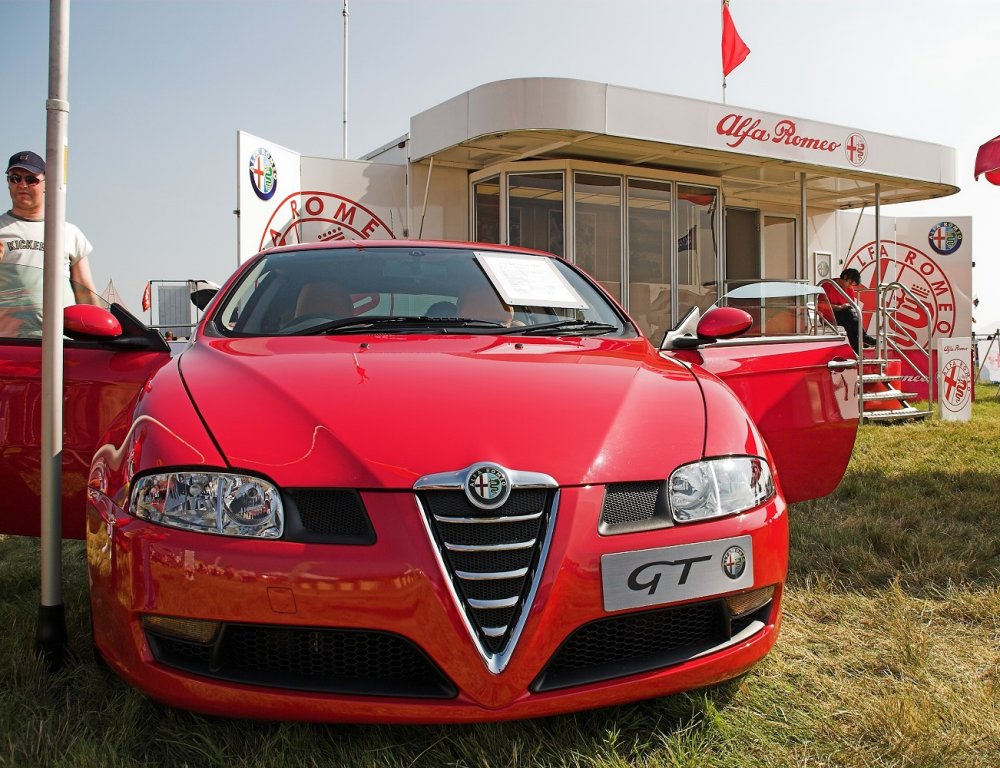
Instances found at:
x=50 y=634
x=346 y=14
x=722 y=7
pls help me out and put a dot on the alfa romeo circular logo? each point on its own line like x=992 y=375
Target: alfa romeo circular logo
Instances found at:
x=734 y=562
x=945 y=237
x=856 y=149
x=263 y=174
x=487 y=486
x=956 y=385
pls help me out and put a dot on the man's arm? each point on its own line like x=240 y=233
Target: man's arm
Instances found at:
x=83 y=282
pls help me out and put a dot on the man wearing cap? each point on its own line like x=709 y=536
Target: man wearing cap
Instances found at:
x=22 y=242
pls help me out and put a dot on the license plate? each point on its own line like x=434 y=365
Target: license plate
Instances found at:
x=682 y=572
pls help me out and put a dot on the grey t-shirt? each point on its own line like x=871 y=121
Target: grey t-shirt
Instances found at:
x=21 y=283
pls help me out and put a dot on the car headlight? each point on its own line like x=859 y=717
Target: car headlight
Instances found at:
x=719 y=487
x=210 y=502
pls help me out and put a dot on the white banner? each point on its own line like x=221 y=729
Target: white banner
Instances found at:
x=989 y=358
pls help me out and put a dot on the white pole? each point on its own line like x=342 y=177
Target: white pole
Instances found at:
x=346 y=14
x=50 y=638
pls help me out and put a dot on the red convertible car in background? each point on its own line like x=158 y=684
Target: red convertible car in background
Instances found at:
x=433 y=482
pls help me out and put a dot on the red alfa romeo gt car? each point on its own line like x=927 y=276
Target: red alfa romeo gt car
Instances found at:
x=432 y=482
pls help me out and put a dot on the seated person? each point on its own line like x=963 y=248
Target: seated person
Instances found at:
x=844 y=311
x=481 y=302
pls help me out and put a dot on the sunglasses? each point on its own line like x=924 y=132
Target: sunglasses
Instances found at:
x=17 y=178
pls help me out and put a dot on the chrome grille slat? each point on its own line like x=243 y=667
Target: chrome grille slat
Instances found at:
x=479 y=520
x=508 y=602
x=491 y=547
x=491 y=576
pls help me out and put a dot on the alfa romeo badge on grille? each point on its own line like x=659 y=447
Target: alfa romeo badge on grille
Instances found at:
x=487 y=486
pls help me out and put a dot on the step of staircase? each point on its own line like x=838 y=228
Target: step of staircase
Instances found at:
x=891 y=394
x=872 y=378
x=900 y=414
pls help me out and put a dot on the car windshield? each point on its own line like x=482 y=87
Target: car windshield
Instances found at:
x=409 y=289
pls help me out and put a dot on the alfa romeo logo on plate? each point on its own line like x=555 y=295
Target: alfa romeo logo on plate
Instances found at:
x=263 y=174
x=957 y=385
x=487 y=486
x=734 y=562
x=945 y=237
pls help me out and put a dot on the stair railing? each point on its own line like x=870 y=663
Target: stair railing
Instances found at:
x=888 y=307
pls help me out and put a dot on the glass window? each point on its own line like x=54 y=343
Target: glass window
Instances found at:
x=598 y=215
x=487 y=210
x=649 y=272
x=779 y=248
x=697 y=247
x=742 y=246
x=535 y=211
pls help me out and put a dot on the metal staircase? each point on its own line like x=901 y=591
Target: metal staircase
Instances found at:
x=880 y=376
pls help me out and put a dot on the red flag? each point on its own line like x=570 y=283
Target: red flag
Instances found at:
x=988 y=161
x=147 y=297
x=734 y=50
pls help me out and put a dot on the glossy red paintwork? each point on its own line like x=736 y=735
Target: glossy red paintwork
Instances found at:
x=99 y=384
x=333 y=402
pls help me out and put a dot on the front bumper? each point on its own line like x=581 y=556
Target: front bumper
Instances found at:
x=344 y=633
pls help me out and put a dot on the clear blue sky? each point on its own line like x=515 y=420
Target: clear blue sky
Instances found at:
x=159 y=88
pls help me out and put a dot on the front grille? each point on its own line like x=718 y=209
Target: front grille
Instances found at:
x=491 y=556
x=346 y=661
x=327 y=516
x=637 y=506
x=639 y=642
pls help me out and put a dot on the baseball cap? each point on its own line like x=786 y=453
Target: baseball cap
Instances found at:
x=27 y=160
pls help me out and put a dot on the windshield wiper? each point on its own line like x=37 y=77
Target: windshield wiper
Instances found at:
x=396 y=323
x=565 y=328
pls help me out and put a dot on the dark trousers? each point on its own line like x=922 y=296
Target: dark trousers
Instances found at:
x=849 y=321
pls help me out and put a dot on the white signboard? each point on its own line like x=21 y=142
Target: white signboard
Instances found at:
x=268 y=174
x=285 y=198
x=529 y=281
x=955 y=380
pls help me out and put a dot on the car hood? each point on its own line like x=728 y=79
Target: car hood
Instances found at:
x=380 y=412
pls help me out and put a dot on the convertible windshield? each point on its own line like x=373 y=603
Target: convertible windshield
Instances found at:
x=782 y=308
x=415 y=290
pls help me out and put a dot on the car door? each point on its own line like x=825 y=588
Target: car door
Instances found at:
x=100 y=377
x=802 y=394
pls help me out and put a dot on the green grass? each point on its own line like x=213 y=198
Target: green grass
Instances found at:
x=889 y=654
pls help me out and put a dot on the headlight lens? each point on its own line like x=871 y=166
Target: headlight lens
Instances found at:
x=719 y=487
x=210 y=502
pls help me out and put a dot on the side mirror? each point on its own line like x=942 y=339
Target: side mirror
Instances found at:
x=696 y=330
x=202 y=292
x=88 y=321
x=723 y=323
